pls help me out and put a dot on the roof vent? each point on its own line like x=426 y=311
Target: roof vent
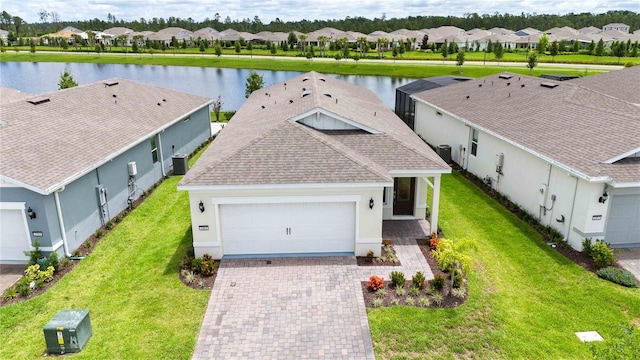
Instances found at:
x=306 y=93
x=38 y=100
x=479 y=85
x=548 y=85
x=114 y=95
x=322 y=79
x=290 y=101
x=522 y=85
x=305 y=79
x=110 y=82
x=262 y=106
x=508 y=83
x=505 y=76
x=327 y=95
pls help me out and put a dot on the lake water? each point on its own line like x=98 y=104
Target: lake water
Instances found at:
x=41 y=77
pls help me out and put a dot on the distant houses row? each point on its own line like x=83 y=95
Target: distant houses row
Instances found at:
x=476 y=38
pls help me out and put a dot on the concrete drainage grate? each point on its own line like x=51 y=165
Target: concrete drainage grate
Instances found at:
x=589 y=336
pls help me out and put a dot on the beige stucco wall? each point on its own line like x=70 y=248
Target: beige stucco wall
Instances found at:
x=368 y=221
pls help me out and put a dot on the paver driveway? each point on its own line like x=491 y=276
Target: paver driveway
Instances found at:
x=300 y=308
x=293 y=308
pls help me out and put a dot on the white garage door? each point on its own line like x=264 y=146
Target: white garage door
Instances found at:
x=623 y=224
x=14 y=235
x=287 y=228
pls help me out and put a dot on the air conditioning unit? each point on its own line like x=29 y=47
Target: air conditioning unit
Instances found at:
x=180 y=164
x=445 y=153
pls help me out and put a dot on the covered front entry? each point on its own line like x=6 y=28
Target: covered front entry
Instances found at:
x=288 y=228
x=14 y=233
x=404 y=193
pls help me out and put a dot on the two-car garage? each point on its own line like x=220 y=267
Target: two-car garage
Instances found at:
x=623 y=222
x=287 y=227
x=14 y=233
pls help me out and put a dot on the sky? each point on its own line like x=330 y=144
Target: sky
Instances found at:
x=294 y=10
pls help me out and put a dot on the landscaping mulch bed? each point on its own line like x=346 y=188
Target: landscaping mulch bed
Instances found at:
x=392 y=299
x=388 y=257
x=201 y=281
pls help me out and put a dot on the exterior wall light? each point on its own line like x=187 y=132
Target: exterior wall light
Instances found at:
x=371 y=204
x=31 y=213
x=201 y=206
x=603 y=198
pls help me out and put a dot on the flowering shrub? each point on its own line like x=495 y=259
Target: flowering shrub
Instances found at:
x=33 y=273
x=375 y=283
x=433 y=242
x=438 y=282
x=418 y=280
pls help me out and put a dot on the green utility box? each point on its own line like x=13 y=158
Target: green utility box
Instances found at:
x=68 y=331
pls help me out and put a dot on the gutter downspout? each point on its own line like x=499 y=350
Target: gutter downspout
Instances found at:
x=63 y=232
x=164 y=174
x=573 y=206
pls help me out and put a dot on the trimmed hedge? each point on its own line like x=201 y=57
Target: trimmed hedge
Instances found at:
x=618 y=276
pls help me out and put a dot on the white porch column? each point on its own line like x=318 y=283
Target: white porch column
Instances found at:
x=435 y=203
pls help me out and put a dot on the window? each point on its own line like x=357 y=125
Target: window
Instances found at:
x=154 y=150
x=474 y=142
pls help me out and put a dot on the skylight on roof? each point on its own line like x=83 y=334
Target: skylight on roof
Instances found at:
x=505 y=76
x=549 y=85
x=38 y=100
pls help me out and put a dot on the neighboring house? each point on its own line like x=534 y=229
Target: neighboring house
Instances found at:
x=616 y=26
x=72 y=159
x=309 y=165
x=4 y=34
x=566 y=152
x=405 y=106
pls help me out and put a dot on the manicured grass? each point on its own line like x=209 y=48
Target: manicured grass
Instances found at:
x=138 y=306
x=526 y=300
x=348 y=67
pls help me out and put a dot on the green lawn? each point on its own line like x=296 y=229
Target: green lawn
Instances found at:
x=526 y=300
x=348 y=67
x=138 y=306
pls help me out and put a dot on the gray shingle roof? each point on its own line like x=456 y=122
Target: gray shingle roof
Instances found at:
x=263 y=143
x=623 y=84
x=573 y=125
x=8 y=95
x=45 y=145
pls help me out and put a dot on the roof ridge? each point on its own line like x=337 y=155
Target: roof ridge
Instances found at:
x=353 y=155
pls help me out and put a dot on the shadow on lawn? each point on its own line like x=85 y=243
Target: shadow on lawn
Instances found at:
x=181 y=251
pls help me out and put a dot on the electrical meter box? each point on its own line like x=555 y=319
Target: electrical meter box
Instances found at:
x=68 y=331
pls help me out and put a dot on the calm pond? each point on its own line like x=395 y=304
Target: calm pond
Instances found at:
x=37 y=78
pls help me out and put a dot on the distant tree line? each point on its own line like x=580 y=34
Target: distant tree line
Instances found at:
x=51 y=21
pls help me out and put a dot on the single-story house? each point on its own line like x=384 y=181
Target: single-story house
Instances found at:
x=72 y=159
x=309 y=165
x=567 y=152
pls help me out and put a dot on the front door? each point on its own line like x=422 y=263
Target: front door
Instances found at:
x=403 y=195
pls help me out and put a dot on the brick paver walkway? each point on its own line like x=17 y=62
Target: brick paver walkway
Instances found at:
x=299 y=308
